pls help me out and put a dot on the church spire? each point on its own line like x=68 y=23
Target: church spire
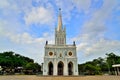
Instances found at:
x=59 y=21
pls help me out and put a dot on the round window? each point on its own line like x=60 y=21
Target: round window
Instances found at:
x=70 y=53
x=50 y=53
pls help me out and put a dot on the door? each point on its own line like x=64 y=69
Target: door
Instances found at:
x=50 y=68
x=70 y=68
x=60 y=68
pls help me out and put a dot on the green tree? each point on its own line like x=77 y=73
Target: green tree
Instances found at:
x=30 y=66
x=112 y=59
x=11 y=60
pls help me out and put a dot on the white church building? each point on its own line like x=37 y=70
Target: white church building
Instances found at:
x=60 y=58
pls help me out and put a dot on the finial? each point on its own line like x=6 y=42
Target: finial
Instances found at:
x=46 y=42
x=59 y=9
x=74 y=43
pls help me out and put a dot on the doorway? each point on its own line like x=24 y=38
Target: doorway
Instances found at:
x=60 y=68
x=50 y=68
x=70 y=68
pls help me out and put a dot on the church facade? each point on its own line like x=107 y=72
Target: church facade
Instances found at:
x=60 y=58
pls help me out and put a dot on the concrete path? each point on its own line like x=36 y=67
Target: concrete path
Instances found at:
x=34 y=77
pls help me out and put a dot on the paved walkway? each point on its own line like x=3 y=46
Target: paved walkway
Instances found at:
x=34 y=77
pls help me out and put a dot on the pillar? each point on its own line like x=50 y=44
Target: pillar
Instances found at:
x=75 y=68
x=45 y=70
x=118 y=71
x=115 y=71
x=55 y=67
x=65 y=67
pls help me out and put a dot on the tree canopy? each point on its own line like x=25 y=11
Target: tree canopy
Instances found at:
x=100 y=65
x=12 y=60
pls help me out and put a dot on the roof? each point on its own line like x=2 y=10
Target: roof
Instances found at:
x=116 y=65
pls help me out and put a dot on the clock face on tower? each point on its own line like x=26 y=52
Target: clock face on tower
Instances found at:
x=50 y=53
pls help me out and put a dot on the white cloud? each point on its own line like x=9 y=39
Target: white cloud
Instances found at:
x=99 y=48
x=92 y=39
x=4 y=4
x=3 y=28
x=16 y=34
x=103 y=46
x=26 y=38
x=82 y=4
x=9 y=6
x=68 y=6
x=30 y=46
x=39 y=15
x=96 y=27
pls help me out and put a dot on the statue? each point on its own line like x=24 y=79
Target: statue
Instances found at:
x=74 y=43
x=46 y=42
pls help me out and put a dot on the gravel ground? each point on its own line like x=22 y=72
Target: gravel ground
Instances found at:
x=34 y=77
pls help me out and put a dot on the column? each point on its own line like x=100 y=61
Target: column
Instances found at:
x=115 y=71
x=45 y=70
x=55 y=67
x=65 y=67
x=118 y=71
x=75 y=67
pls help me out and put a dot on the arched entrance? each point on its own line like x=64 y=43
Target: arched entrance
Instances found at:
x=70 y=68
x=50 y=68
x=60 y=68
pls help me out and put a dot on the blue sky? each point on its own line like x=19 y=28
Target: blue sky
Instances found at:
x=25 y=25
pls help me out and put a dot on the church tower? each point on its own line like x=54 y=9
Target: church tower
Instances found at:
x=60 y=32
x=60 y=58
